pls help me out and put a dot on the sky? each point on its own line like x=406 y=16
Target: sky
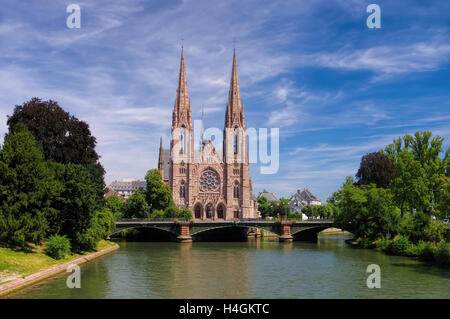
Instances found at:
x=335 y=88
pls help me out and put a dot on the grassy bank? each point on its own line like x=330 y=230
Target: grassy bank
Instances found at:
x=19 y=263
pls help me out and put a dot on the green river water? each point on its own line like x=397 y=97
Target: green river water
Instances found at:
x=252 y=269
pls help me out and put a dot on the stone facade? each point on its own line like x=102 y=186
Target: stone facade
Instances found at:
x=212 y=185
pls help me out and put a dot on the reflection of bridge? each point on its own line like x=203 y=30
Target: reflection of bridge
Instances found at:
x=186 y=231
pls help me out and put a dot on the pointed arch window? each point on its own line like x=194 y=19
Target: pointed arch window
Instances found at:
x=236 y=190
x=182 y=189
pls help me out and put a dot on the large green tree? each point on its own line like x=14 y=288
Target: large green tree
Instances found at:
x=375 y=168
x=366 y=211
x=158 y=194
x=76 y=203
x=136 y=206
x=27 y=188
x=409 y=185
x=64 y=138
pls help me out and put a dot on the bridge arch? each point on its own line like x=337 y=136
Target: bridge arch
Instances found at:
x=307 y=233
x=153 y=232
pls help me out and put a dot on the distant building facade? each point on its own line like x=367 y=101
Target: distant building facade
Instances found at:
x=269 y=196
x=127 y=188
x=212 y=185
x=301 y=199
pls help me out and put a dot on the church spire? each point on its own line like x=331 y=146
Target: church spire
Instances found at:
x=161 y=158
x=235 y=113
x=182 y=109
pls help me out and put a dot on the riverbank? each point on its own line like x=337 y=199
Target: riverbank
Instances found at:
x=19 y=269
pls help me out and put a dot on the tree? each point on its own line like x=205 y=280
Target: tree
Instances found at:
x=443 y=195
x=76 y=204
x=158 y=194
x=104 y=223
x=64 y=138
x=366 y=211
x=308 y=210
x=414 y=225
x=115 y=205
x=409 y=184
x=263 y=207
x=26 y=189
x=375 y=168
x=136 y=206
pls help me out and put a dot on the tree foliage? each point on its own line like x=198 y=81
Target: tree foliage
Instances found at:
x=375 y=168
x=26 y=189
x=158 y=194
x=136 y=205
x=64 y=138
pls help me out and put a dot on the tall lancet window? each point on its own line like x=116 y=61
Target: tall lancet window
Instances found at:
x=182 y=190
x=182 y=140
x=236 y=189
x=235 y=141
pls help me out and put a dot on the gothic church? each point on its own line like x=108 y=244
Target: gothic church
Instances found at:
x=214 y=185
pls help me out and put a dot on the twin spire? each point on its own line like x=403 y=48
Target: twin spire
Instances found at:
x=182 y=114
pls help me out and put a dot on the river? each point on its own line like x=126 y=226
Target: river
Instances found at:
x=252 y=269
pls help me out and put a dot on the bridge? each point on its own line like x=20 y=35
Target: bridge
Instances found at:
x=187 y=231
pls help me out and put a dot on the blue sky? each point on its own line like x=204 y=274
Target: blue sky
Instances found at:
x=336 y=89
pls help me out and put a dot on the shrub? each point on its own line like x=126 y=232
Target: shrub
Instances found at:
x=185 y=214
x=104 y=223
x=399 y=245
x=383 y=243
x=365 y=242
x=425 y=250
x=171 y=211
x=442 y=253
x=157 y=214
x=436 y=232
x=58 y=247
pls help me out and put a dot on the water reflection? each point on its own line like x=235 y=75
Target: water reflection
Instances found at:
x=252 y=269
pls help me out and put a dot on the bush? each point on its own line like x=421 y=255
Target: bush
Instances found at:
x=57 y=247
x=425 y=251
x=171 y=211
x=104 y=223
x=436 y=232
x=383 y=243
x=157 y=214
x=399 y=245
x=185 y=214
x=365 y=242
x=442 y=253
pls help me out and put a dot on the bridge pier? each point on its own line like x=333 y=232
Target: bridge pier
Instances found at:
x=184 y=233
x=286 y=232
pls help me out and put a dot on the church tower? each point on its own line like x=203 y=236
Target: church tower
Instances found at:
x=238 y=184
x=182 y=142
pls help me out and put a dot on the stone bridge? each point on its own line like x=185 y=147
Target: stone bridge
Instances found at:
x=186 y=231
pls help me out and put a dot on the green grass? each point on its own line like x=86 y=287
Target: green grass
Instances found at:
x=23 y=263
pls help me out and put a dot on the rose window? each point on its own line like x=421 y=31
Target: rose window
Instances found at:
x=209 y=181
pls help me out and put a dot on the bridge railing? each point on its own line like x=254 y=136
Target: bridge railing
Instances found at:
x=259 y=220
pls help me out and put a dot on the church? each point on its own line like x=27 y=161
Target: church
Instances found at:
x=214 y=185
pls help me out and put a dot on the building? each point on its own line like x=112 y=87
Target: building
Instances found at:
x=303 y=198
x=214 y=185
x=269 y=196
x=127 y=188
x=112 y=192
